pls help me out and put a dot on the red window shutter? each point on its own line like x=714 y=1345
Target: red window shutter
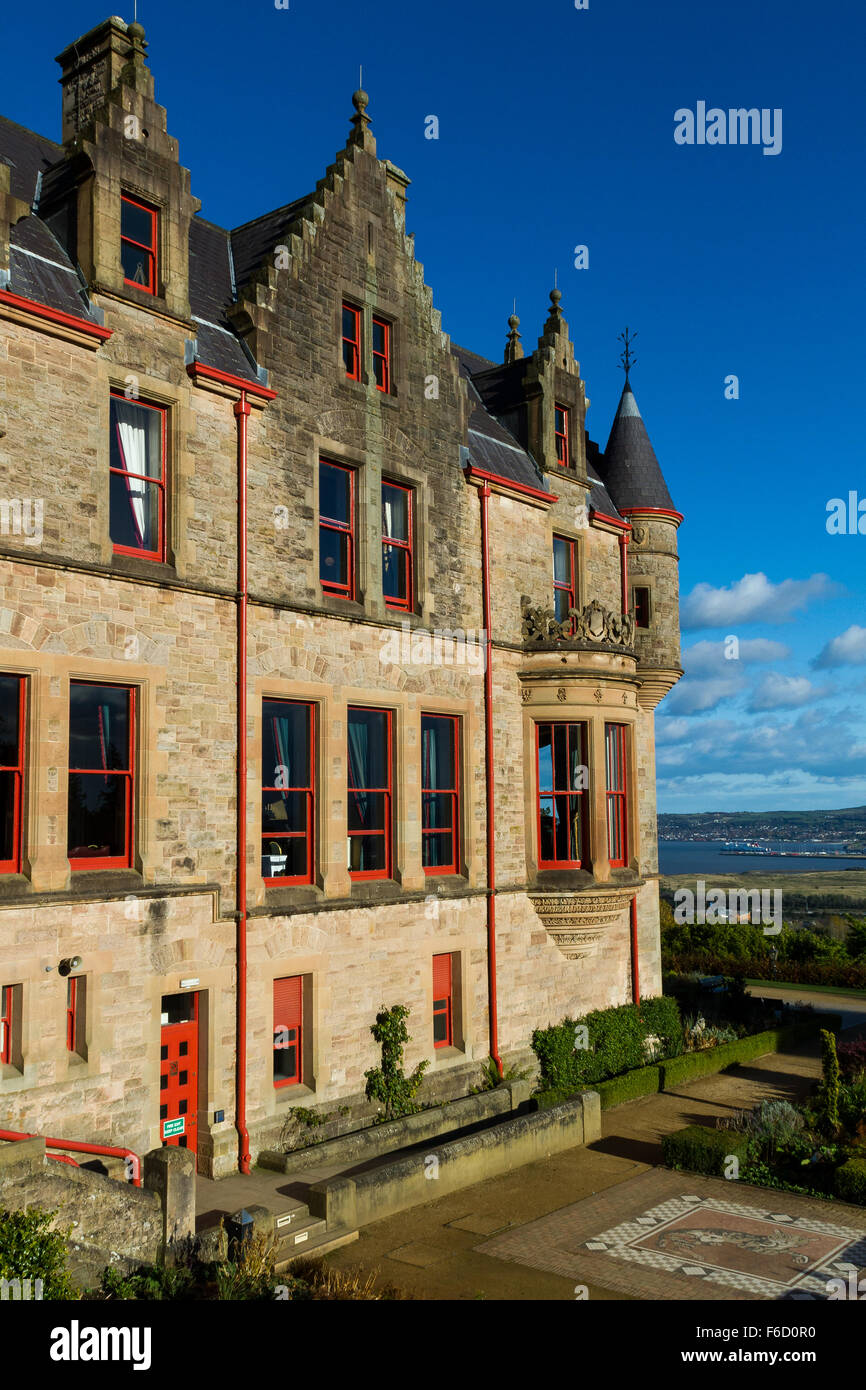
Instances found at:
x=442 y=977
x=288 y=1002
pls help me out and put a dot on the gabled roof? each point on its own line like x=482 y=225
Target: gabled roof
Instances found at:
x=629 y=468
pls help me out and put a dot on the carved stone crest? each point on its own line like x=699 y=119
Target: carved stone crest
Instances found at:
x=588 y=625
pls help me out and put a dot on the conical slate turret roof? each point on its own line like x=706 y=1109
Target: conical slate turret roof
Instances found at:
x=630 y=469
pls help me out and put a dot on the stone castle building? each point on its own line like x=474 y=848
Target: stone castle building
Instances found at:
x=270 y=541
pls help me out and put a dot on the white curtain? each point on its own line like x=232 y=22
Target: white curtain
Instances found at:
x=132 y=438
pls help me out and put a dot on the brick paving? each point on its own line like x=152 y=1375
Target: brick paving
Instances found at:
x=777 y=1244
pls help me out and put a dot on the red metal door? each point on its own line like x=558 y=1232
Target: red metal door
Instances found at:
x=178 y=1082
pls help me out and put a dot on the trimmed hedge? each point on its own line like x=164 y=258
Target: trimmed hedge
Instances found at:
x=815 y=972
x=703 y=1150
x=616 y=1043
x=703 y=1063
x=644 y=1081
x=850 y=1181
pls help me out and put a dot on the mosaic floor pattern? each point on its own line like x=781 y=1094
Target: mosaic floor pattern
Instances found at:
x=694 y=1243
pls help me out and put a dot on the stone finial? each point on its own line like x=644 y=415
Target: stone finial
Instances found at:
x=513 y=346
x=361 y=133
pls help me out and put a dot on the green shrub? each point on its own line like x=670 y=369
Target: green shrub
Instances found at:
x=149 y=1283
x=713 y=1059
x=617 y=1042
x=774 y=1124
x=828 y=1087
x=701 y=1150
x=850 y=1184
x=645 y=1081
x=29 y=1249
x=388 y=1083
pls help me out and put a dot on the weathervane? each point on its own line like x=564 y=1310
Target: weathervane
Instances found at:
x=626 y=360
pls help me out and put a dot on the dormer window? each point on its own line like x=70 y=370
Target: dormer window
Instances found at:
x=138 y=243
x=563 y=444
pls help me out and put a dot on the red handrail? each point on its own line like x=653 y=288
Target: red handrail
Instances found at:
x=79 y=1147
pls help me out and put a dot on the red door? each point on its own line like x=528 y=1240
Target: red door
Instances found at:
x=178 y=1072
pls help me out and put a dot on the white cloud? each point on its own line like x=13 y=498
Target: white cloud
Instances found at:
x=752 y=599
x=710 y=658
x=848 y=649
x=777 y=691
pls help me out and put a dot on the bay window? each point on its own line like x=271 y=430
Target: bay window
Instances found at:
x=440 y=796
x=101 y=743
x=11 y=772
x=369 y=793
x=288 y=791
x=137 y=478
x=562 y=795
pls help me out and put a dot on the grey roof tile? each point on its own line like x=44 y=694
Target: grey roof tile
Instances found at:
x=629 y=469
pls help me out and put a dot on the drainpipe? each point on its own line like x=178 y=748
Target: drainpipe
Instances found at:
x=484 y=494
x=241 y=412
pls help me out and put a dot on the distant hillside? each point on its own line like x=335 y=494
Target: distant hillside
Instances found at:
x=844 y=825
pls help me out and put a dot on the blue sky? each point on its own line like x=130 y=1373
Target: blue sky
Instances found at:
x=556 y=129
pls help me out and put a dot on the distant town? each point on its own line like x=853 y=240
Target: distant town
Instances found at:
x=827 y=832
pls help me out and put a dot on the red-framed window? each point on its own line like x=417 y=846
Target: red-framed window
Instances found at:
x=337 y=529
x=76 y=995
x=137 y=478
x=288 y=791
x=370 y=792
x=101 y=756
x=7 y=1019
x=561 y=418
x=440 y=794
x=288 y=1030
x=382 y=355
x=139 y=232
x=564 y=577
x=443 y=1013
x=352 y=341
x=615 y=746
x=397 y=578
x=562 y=795
x=641 y=600
x=12 y=718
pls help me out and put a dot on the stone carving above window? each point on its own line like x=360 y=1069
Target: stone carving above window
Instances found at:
x=592 y=624
x=575 y=920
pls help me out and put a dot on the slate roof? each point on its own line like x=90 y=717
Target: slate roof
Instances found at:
x=492 y=447
x=629 y=468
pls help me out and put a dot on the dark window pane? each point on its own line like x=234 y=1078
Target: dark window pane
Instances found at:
x=136 y=223
x=163 y=1053
x=335 y=493
x=367 y=810
x=350 y=321
x=136 y=264
x=379 y=336
x=561 y=603
x=367 y=854
x=183 y=1049
x=560 y=759
x=368 y=748
x=133 y=513
x=98 y=727
x=286 y=1063
x=561 y=561
x=10 y=687
x=163 y=1083
x=440 y=1027
x=284 y=811
x=438 y=810
x=8 y=796
x=395 y=512
x=437 y=849
x=97 y=816
x=333 y=557
x=546 y=828
x=163 y=1112
x=284 y=857
x=437 y=753
x=395 y=572
x=178 y=1008
x=285 y=746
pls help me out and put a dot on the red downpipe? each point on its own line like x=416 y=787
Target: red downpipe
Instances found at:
x=484 y=494
x=242 y=411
